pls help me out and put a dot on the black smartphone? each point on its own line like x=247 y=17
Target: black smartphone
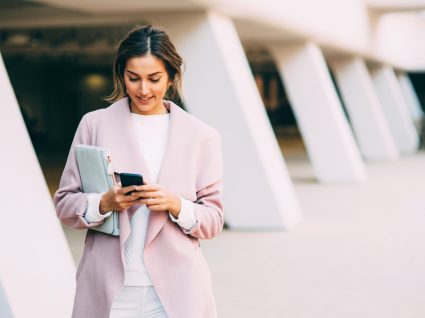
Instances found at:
x=129 y=179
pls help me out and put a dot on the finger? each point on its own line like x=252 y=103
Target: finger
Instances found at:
x=149 y=202
x=126 y=198
x=126 y=190
x=147 y=194
x=149 y=187
x=121 y=197
x=137 y=195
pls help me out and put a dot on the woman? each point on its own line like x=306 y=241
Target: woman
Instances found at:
x=155 y=268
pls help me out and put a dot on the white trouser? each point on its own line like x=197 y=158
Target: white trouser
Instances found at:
x=137 y=302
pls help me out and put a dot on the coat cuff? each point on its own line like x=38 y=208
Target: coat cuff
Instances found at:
x=92 y=214
x=186 y=219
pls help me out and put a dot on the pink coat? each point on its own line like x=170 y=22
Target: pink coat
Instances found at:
x=192 y=168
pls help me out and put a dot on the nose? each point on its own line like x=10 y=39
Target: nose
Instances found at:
x=144 y=87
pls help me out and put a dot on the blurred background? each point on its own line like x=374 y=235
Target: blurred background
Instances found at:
x=321 y=109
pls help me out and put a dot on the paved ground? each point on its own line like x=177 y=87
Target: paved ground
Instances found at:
x=359 y=252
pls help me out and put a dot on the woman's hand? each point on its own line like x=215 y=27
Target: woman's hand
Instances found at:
x=157 y=198
x=117 y=199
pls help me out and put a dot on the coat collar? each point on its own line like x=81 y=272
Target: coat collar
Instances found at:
x=131 y=159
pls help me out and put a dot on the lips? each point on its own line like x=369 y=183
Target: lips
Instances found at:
x=144 y=99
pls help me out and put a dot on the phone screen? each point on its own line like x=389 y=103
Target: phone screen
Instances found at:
x=129 y=179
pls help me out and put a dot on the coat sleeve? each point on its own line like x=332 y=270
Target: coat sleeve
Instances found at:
x=208 y=205
x=69 y=200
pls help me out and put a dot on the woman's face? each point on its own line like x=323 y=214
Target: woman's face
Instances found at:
x=146 y=81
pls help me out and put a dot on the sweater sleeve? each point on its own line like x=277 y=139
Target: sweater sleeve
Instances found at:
x=186 y=219
x=92 y=214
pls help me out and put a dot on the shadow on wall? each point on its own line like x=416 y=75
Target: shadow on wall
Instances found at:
x=5 y=311
x=53 y=94
x=418 y=82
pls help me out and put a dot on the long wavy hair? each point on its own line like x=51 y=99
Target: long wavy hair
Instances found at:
x=140 y=41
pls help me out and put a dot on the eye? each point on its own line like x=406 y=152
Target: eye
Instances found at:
x=132 y=79
x=155 y=80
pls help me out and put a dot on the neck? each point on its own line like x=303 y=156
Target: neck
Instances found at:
x=160 y=111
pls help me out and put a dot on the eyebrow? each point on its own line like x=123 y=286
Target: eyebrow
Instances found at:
x=134 y=73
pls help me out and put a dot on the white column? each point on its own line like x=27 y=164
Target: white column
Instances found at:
x=36 y=268
x=366 y=115
x=220 y=89
x=412 y=100
x=395 y=108
x=326 y=133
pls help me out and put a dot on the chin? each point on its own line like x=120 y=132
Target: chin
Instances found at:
x=145 y=108
x=142 y=106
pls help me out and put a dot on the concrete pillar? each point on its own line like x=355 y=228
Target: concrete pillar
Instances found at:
x=366 y=115
x=326 y=133
x=36 y=268
x=395 y=108
x=412 y=100
x=220 y=89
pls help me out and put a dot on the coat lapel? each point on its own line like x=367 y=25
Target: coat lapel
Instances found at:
x=157 y=219
x=126 y=157
x=130 y=157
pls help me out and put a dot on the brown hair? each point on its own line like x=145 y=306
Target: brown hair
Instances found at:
x=140 y=41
